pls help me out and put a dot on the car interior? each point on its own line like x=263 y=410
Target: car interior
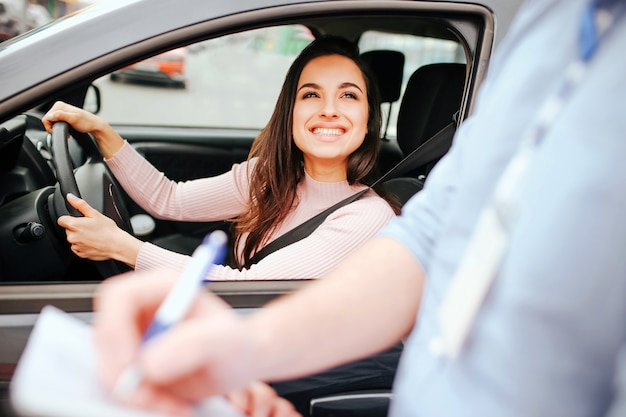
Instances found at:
x=431 y=95
x=426 y=64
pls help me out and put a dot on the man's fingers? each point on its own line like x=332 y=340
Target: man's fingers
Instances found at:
x=239 y=400
x=157 y=400
x=284 y=408
x=118 y=330
x=261 y=399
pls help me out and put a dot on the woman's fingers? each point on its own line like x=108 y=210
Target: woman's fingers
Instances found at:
x=79 y=119
x=82 y=206
x=60 y=111
x=93 y=236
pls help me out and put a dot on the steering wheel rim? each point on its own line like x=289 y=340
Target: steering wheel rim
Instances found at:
x=97 y=177
x=63 y=164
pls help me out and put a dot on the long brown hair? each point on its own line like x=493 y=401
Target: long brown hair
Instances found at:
x=280 y=165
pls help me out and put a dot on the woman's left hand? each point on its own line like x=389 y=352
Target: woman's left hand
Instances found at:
x=96 y=236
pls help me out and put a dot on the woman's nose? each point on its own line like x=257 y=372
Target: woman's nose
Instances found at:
x=329 y=108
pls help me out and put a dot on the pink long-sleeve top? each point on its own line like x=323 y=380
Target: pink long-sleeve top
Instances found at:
x=226 y=196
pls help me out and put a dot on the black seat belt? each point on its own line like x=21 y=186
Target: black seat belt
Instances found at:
x=431 y=150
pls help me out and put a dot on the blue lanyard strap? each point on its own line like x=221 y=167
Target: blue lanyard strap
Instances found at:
x=597 y=18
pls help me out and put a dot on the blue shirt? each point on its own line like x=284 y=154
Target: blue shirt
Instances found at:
x=547 y=337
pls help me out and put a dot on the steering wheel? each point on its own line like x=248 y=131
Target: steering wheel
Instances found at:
x=95 y=180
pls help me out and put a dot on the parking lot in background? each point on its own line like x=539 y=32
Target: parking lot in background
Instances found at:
x=219 y=90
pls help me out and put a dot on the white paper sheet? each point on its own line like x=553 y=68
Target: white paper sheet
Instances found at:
x=56 y=375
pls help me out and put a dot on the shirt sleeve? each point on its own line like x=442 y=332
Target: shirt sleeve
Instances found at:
x=313 y=257
x=208 y=199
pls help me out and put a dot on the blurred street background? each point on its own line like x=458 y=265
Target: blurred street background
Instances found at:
x=18 y=16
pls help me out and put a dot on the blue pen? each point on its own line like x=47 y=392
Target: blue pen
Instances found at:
x=177 y=302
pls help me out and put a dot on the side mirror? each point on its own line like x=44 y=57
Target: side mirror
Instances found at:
x=92 y=99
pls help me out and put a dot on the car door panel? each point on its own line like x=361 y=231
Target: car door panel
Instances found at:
x=182 y=162
x=20 y=306
x=189 y=153
x=182 y=155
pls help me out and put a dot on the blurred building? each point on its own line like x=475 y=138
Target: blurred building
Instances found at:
x=18 y=16
x=59 y=8
x=12 y=18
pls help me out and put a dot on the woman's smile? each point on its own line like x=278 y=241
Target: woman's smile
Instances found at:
x=324 y=131
x=328 y=134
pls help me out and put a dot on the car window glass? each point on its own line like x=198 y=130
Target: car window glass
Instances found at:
x=233 y=81
x=418 y=51
x=228 y=82
x=226 y=88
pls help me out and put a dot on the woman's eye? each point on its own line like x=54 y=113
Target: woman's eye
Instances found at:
x=350 y=95
x=310 y=94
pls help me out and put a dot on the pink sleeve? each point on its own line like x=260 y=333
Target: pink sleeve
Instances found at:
x=153 y=257
x=313 y=257
x=207 y=199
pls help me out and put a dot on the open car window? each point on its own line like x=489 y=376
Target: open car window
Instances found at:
x=226 y=82
x=193 y=111
x=193 y=100
x=233 y=81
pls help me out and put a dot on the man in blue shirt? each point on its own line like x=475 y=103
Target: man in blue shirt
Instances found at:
x=548 y=318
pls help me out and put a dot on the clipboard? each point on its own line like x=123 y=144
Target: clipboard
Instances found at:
x=56 y=375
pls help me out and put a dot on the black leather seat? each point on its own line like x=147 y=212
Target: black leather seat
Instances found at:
x=433 y=95
x=403 y=188
x=388 y=69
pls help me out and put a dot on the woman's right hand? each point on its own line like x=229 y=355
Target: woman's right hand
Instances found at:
x=95 y=236
x=83 y=121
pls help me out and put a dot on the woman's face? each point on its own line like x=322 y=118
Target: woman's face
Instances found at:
x=330 y=115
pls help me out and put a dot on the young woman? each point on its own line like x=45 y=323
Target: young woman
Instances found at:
x=319 y=147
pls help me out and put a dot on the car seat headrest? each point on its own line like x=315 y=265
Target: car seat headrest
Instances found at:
x=387 y=68
x=432 y=96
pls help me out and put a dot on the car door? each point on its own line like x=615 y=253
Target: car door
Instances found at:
x=235 y=61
